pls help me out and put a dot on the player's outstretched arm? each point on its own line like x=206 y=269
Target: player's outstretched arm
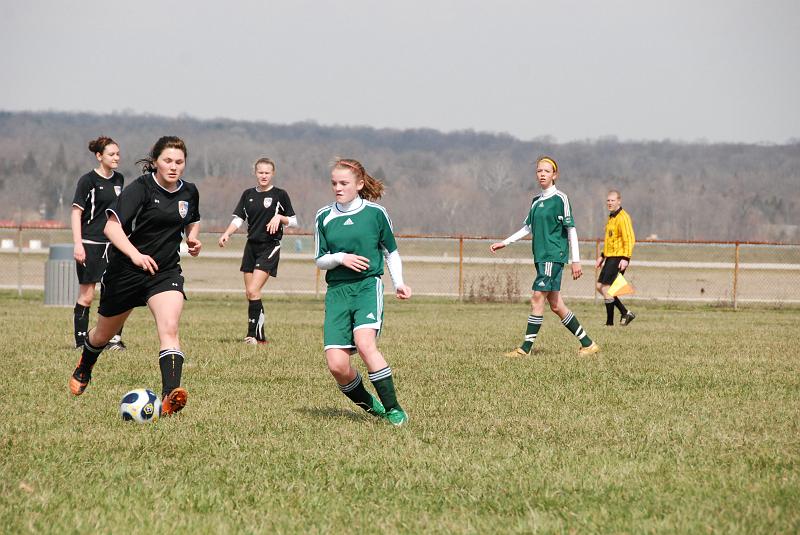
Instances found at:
x=518 y=235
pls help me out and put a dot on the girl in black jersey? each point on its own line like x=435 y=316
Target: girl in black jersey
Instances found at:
x=145 y=228
x=267 y=210
x=97 y=190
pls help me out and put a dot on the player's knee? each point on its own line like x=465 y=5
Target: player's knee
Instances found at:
x=168 y=327
x=252 y=295
x=340 y=369
x=367 y=348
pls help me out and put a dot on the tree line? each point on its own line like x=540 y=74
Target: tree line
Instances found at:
x=465 y=182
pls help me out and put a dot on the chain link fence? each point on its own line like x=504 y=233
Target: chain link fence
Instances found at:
x=462 y=268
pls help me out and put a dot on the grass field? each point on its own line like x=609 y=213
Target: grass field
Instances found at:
x=687 y=422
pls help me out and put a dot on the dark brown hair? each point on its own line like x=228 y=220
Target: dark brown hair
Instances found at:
x=167 y=142
x=373 y=188
x=99 y=145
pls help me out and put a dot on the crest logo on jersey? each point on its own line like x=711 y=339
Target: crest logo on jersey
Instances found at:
x=267 y=202
x=117 y=190
x=183 y=208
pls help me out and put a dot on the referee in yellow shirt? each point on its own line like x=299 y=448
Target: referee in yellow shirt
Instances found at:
x=616 y=255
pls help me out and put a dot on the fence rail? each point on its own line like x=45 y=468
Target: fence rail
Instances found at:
x=461 y=267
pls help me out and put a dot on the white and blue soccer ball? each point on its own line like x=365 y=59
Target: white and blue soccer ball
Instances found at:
x=140 y=405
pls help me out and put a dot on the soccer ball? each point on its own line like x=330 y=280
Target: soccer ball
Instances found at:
x=140 y=405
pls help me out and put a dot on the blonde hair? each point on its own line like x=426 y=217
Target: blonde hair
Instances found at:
x=549 y=160
x=373 y=188
x=265 y=161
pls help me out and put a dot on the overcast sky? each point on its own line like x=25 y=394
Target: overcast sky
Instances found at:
x=716 y=70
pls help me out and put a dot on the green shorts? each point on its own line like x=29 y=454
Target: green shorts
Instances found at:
x=548 y=277
x=351 y=306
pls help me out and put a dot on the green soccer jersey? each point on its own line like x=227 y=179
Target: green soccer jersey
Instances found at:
x=364 y=230
x=549 y=219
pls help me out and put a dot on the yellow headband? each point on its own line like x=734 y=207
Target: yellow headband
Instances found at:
x=551 y=162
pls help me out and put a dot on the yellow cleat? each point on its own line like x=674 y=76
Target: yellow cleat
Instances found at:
x=591 y=350
x=518 y=352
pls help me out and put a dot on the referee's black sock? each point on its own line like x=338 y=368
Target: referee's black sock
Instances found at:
x=171 y=363
x=620 y=306
x=609 y=311
x=81 y=323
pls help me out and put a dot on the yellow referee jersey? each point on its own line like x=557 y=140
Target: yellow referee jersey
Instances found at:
x=619 y=238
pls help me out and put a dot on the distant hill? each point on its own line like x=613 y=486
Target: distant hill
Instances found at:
x=449 y=183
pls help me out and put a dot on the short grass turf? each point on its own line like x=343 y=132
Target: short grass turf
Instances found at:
x=687 y=421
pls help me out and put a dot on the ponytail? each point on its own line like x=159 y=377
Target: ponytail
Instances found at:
x=148 y=163
x=373 y=188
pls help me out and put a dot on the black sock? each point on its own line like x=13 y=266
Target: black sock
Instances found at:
x=81 y=323
x=356 y=392
x=384 y=385
x=609 y=311
x=255 y=319
x=620 y=306
x=89 y=355
x=171 y=363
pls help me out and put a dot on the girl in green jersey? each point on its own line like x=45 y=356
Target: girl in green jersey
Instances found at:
x=353 y=238
x=550 y=221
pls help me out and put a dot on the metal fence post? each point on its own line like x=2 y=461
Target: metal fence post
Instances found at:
x=596 y=269
x=735 y=276
x=461 y=268
x=19 y=260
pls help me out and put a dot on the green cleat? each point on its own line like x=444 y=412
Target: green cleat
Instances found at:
x=375 y=407
x=397 y=417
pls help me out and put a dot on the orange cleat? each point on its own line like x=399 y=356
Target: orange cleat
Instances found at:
x=174 y=401
x=80 y=379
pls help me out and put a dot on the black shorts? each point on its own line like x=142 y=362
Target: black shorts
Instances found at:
x=262 y=256
x=610 y=270
x=123 y=289
x=92 y=269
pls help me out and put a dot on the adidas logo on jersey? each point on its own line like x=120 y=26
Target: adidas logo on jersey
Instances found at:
x=349 y=222
x=541 y=283
x=371 y=316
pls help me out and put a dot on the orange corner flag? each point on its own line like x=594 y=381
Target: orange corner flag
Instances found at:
x=620 y=287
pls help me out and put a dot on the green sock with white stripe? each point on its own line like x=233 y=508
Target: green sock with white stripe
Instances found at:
x=358 y=394
x=574 y=326
x=384 y=385
x=534 y=324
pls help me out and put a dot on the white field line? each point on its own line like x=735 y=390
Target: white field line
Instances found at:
x=454 y=295
x=477 y=260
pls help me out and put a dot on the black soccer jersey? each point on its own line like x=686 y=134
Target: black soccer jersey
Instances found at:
x=258 y=208
x=93 y=195
x=154 y=219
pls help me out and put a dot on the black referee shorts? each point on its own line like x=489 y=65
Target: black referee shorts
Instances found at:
x=610 y=270
x=263 y=256
x=123 y=289
x=91 y=271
